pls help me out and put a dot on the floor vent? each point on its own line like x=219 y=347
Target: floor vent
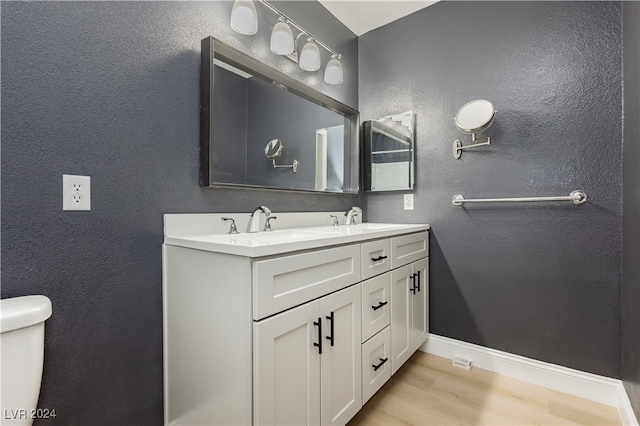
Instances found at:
x=458 y=361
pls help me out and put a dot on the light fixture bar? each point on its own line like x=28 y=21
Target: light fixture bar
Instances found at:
x=299 y=28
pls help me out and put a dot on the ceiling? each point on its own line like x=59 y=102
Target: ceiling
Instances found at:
x=361 y=16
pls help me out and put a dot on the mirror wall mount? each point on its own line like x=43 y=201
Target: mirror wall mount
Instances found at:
x=273 y=150
x=389 y=153
x=474 y=117
x=230 y=142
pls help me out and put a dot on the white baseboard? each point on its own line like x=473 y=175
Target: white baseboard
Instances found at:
x=579 y=383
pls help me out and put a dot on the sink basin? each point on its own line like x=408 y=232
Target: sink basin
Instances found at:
x=261 y=238
x=360 y=228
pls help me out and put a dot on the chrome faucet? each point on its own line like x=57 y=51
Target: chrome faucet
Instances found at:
x=254 y=222
x=351 y=215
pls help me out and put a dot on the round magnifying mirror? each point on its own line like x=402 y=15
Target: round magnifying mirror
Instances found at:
x=273 y=149
x=475 y=116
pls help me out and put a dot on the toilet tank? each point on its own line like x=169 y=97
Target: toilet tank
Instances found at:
x=21 y=357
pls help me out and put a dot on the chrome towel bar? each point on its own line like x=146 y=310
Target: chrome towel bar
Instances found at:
x=576 y=197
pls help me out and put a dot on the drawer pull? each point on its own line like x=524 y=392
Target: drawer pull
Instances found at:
x=418 y=285
x=382 y=361
x=413 y=284
x=375 y=259
x=330 y=338
x=380 y=305
x=319 y=344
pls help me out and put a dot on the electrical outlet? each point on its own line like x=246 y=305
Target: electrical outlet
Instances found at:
x=408 y=201
x=76 y=192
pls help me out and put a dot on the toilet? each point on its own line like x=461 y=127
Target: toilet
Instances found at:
x=21 y=357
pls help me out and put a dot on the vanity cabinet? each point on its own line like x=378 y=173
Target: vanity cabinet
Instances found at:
x=410 y=311
x=307 y=362
x=300 y=337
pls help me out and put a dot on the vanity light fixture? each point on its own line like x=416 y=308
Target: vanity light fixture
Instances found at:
x=282 y=42
x=244 y=21
x=244 y=18
x=333 y=73
x=310 y=56
x=474 y=117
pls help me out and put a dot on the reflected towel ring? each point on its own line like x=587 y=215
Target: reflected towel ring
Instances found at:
x=474 y=117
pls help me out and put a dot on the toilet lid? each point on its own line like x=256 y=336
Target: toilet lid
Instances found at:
x=23 y=311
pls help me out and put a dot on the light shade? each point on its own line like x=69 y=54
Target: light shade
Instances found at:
x=244 y=19
x=282 y=38
x=310 y=56
x=333 y=73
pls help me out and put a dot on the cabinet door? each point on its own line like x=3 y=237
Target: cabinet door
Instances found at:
x=286 y=367
x=341 y=359
x=401 y=303
x=420 y=305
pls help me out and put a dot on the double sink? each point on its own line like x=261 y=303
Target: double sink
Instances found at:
x=288 y=240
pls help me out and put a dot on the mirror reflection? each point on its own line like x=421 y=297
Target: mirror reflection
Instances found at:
x=273 y=150
x=311 y=140
x=389 y=144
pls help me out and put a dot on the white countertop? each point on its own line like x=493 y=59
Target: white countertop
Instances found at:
x=289 y=240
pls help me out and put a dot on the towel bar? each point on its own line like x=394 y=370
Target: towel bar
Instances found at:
x=576 y=197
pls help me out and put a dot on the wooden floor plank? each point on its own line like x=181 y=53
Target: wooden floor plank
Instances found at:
x=427 y=390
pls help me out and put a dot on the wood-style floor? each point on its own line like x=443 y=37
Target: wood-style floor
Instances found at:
x=429 y=391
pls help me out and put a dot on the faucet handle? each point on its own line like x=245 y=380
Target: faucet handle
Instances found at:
x=335 y=220
x=353 y=219
x=267 y=223
x=232 y=229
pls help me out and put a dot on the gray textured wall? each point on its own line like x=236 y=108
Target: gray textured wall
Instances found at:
x=539 y=280
x=111 y=90
x=631 y=192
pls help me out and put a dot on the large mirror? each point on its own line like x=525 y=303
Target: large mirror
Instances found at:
x=311 y=139
x=389 y=145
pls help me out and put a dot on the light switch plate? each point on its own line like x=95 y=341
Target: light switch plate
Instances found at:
x=408 y=201
x=76 y=192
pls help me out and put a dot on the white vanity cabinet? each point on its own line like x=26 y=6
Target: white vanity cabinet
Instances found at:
x=395 y=306
x=307 y=362
x=264 y=335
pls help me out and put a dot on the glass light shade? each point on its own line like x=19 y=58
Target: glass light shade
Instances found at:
x=333 y=73
x=282 y=38
x=310 y=56
x=244 y=19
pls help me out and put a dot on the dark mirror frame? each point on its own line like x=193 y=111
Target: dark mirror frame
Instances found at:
x=213 y=48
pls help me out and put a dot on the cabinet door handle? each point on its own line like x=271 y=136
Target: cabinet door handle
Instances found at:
x=319 y=344
x=380 y=305
x=413 y=284
x=330 y=338
x=382 y=361
x=375 y=259
x=418 y=286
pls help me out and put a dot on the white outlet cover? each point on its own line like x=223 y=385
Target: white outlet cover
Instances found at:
x=408 y=201
x=76 y=192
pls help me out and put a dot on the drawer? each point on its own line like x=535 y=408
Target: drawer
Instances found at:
x=375 y=370
x=376 y=258
x=376 y=310
x=409 y=248
x=288 y=281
